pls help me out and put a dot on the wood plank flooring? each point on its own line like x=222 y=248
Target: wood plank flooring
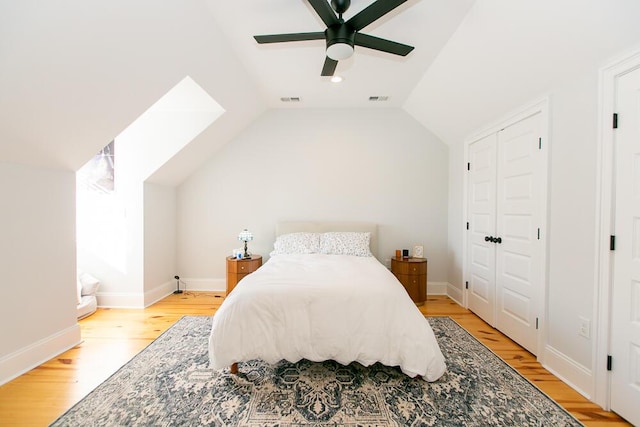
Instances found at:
x=111 y=337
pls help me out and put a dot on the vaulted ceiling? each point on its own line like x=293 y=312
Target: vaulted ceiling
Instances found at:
x=293 y=69
x=75 y=73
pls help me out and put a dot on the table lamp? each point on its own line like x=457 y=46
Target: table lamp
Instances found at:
x=245 y=235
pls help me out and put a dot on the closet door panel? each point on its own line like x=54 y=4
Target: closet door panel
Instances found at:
x=517 y=216
x=482 y=223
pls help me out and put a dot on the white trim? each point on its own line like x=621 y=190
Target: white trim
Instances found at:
x=539 y=105
x=19 y=362
x=455 y=294
x=208 y=284
x=437 y=288
x=120 y=299
x=608 y=76
x=572 y=373
x=142 y=300
x=159 y=292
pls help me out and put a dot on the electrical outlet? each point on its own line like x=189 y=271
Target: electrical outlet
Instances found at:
x=585 y=327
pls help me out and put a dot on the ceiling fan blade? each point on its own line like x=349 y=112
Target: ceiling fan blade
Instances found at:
x=329 y=67
x=373 y=12
x=293 y=37
x=324 y=11
x=383 y=45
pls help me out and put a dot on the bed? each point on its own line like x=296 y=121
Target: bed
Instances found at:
x=323 y=295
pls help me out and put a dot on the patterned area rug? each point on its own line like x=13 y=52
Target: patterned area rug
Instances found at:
x=169 y=384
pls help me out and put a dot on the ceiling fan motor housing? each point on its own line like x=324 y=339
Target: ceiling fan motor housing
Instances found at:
x=340 y=40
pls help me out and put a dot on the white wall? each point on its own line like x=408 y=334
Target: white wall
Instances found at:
x=457 y=170
x=38 y=265
x=376 y=165
x=159 y=241
x=571 y=224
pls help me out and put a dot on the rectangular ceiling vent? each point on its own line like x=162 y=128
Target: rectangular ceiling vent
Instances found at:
x=290 y=99
x=378 y=98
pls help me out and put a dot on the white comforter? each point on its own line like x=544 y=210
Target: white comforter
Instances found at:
x=324 y=307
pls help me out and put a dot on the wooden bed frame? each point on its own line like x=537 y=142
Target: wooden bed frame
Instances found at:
x=323 y=227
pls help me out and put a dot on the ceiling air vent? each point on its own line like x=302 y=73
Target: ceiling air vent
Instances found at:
x=378 y=98
x=290 y=99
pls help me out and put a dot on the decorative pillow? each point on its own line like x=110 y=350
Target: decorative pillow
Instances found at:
x=78 y=290
x=296 y=243
x=89 y=284
x=345 y=243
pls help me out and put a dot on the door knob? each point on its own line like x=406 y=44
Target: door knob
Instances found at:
x=493 y=239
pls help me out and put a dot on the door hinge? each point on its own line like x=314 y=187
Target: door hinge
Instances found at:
x=540 y=143
x=466 y=285
x=538 y=233
x=612 y=243
x=615 y=120
x=609 y=362
x=468 y=166
x=537 y=323
x=467 y=225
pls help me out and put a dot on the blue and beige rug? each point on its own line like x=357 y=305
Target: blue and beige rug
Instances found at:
x=169 y=384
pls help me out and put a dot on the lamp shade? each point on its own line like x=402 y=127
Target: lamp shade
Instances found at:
x=245 y=235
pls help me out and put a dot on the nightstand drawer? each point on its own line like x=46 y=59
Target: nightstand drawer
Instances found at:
x=406 y=267
x=244 y=266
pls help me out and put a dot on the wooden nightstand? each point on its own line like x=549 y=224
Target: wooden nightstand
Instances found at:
x=238 y=268
x=412 y=273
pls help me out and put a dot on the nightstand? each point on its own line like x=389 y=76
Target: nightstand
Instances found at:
x=412 y=273
x=238 y=268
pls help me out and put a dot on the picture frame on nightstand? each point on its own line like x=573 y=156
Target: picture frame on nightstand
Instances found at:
x=418 y=251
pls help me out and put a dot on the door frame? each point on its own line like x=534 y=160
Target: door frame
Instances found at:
x=607 y=82
x=540 y=105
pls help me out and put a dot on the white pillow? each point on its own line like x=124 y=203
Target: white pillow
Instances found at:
x=296 y=243
x=89 y=284
x=79 y=290
x=345 y=243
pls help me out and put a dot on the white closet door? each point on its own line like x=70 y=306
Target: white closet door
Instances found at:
x=625 y=321
x=482 y=223
x=519 y=278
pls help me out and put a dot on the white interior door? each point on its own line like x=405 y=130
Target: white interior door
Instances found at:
x=505 y=262
x=625 y=313
x=519 y=281
x=481 y=256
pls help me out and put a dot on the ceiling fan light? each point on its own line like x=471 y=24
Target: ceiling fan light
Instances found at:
x=339 y=51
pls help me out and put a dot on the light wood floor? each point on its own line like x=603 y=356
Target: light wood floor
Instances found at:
x=113 y=336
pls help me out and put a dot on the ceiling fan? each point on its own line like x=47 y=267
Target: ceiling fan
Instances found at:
x=341 y=36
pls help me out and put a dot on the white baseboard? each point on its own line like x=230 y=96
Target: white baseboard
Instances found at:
x=17 y=363
x=569 y=371
x=139 y=300
x=156 y=294
x=437 y=288
x=212 y=285
x=455 y=294
x=120 y=299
